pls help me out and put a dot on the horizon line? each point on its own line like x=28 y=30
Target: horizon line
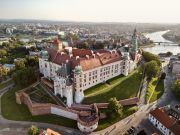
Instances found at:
x=74 y=21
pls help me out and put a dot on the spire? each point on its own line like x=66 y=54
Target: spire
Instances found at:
x=134 y=42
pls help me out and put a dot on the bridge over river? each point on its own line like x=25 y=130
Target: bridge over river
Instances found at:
x=166 y=43
x=162 y=45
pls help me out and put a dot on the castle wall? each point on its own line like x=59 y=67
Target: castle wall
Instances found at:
x=45 y=108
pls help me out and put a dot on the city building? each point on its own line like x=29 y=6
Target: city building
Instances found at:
x=166 y=119
x=72 y=70
x=9 y=67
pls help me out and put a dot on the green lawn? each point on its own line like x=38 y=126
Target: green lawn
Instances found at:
x=13 y=111
x=5 y=84
x=159 y=90
x=104 y=123
x=126 y=88
x=154 y=92
x=103 y=86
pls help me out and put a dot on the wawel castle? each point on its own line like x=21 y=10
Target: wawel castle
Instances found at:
x=72 y=70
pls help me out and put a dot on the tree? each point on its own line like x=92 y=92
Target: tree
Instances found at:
x=3 y=52
x=149 y=57
x=20 y=64
x=3 y=72
x=114 y=108
x=33 y=130
x=176 y=88
x=163 y=76
x=169 y=54
x=152 y=69
x=25 y=77
x=32 y=61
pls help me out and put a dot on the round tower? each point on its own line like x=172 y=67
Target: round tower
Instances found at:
x=79 y=94
x=126 y=63
x=88 y=123
x=69 y=95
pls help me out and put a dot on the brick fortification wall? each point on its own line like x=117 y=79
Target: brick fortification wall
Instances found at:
x=44 y=108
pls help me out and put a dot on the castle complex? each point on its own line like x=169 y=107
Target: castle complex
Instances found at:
x=72 y=70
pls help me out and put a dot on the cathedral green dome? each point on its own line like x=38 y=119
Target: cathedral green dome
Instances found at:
x=126 y=56
x=78 y=69
x=44 y=54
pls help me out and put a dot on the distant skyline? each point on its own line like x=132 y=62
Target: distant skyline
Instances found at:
x=140 y=11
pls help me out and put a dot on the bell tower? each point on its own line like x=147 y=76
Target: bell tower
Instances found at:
x=134 y=44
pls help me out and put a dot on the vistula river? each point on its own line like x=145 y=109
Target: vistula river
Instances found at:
x=163 y=47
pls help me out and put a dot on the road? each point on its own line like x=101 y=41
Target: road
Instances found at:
x=10 y=127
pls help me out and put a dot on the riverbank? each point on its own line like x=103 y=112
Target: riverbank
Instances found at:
x=147 y=45
x=163 y=47
x=171 y=37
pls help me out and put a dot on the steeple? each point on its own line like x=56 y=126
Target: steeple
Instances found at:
x=134 y=42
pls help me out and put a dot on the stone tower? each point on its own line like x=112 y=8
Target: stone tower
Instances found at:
x=79 y=94
x=134 y=43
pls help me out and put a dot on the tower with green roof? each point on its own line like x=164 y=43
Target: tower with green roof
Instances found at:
x=134 y=43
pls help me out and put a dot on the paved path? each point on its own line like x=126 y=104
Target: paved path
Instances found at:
x=10 y=127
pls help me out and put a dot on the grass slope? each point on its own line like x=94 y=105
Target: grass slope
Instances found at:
x=126 y=88
x=154 y=92
x=13 y=111
x=127 y=111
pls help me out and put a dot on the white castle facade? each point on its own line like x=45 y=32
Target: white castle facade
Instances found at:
x=73 y=70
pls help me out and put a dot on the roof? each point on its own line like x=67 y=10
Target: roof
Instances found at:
x=81 y=52
x=51 y=132
x=56 y=42
x=176 y=128
x=163 y=117
x=87 y=59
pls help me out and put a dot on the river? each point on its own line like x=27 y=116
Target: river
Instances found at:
x=163 y=47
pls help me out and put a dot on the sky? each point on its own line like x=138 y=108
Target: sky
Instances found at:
x=158 y=11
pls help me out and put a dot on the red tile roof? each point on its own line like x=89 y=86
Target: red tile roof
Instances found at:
x=81 y=52
x=108 y=57
x=56 y=42
x=104 y=57
x=163 y=117
x=90 y=63
x=176 y=128
x=57 y=57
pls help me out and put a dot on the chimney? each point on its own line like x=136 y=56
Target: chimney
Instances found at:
x=77 y=57
x=87 y=56
x=62 y=53
x=98 y=54
x=94 y=55
x=70 y=55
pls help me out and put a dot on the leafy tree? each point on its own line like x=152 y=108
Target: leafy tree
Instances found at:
x=25 y=77
x=163 y=76
x=114 y=108
x=33 y=130
x=149 y=57
x=169 y=54
x=31 y=61
x=152 y=69
x=3 y=53
x=176 y=88
x=20 y=64
x=3 y=72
